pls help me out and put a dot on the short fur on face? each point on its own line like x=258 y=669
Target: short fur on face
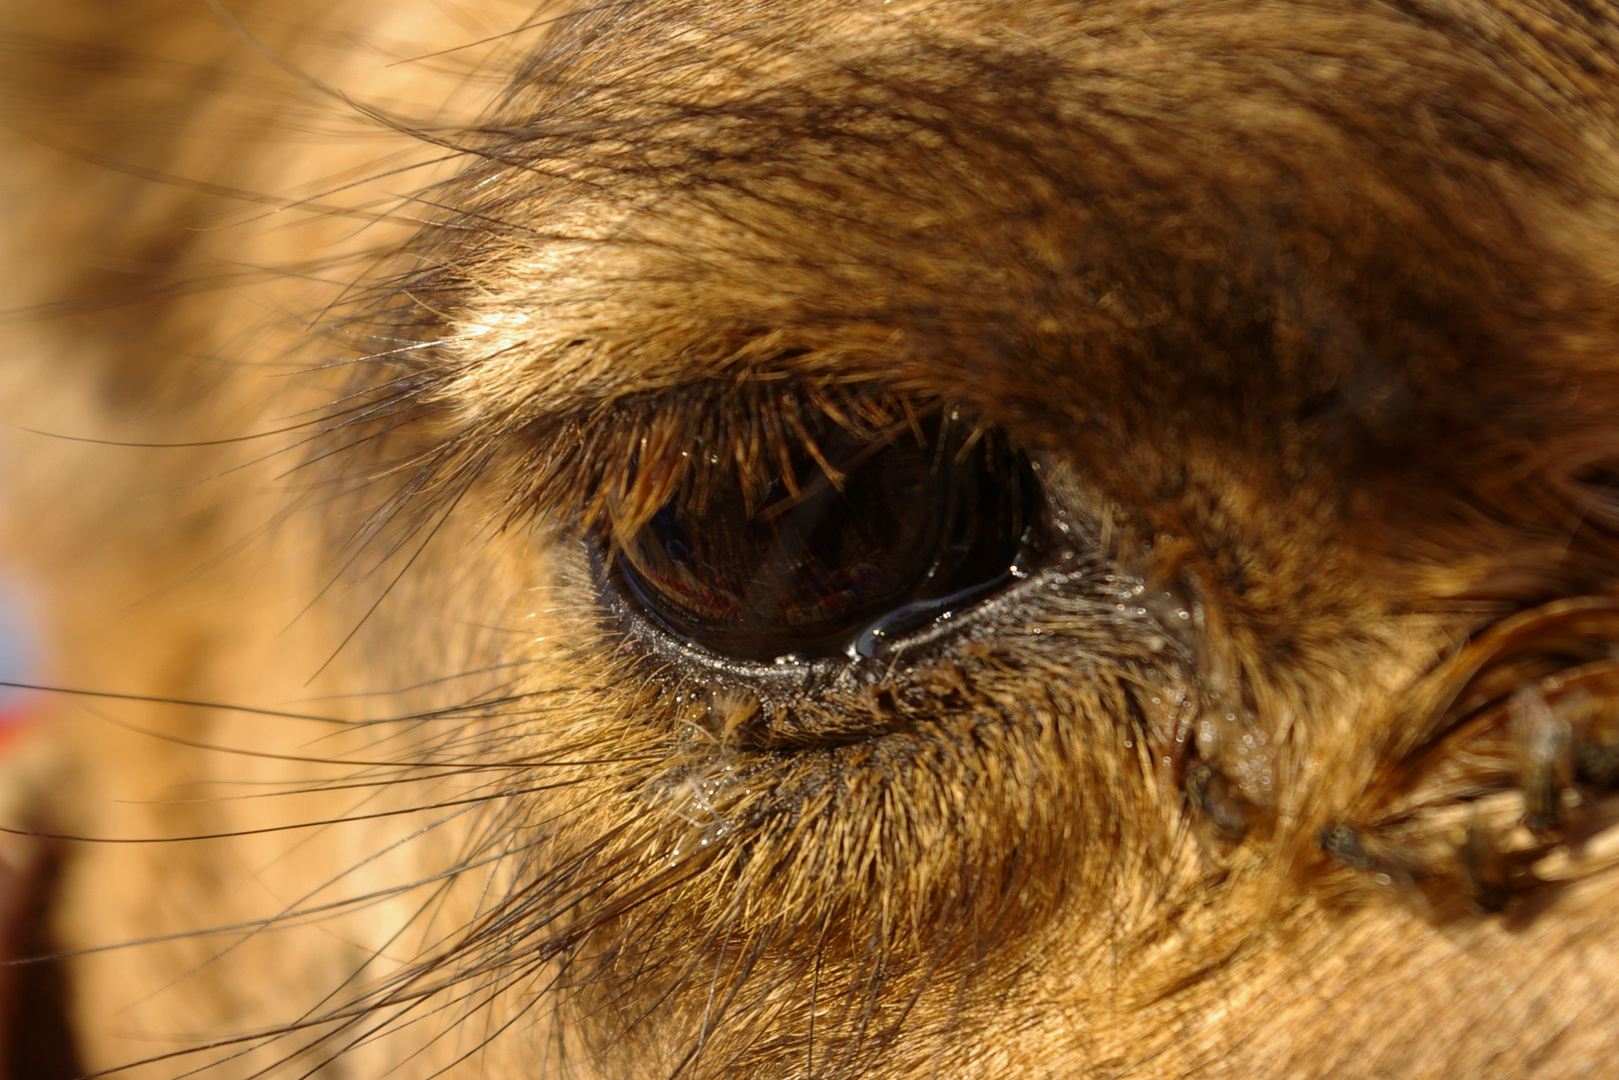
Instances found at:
x=392 y=327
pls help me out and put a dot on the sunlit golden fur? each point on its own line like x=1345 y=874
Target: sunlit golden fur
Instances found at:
x=343 y=343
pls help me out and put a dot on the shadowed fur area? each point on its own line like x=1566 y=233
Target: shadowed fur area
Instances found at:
x=807 y=539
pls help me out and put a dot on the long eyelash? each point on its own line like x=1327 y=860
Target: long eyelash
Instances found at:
x=633 y=461
x=614 y=467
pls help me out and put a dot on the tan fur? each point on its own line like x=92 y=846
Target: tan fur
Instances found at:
x=387 y=315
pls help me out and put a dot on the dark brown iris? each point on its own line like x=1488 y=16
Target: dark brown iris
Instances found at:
x=916 y=528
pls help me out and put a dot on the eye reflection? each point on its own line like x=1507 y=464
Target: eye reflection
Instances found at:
x=917 y=527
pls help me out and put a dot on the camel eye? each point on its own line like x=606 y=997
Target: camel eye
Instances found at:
x=904 y=531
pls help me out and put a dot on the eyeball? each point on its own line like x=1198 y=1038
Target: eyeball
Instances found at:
x=902 y=531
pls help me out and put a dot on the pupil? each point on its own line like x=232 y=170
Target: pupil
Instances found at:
x=915 y=529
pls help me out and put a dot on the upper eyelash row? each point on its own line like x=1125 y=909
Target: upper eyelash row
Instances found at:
x=613 y=471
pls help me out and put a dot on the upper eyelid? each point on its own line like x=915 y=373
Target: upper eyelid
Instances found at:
x=614 y=466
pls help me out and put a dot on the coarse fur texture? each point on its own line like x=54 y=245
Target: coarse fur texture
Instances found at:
x=349 y=347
